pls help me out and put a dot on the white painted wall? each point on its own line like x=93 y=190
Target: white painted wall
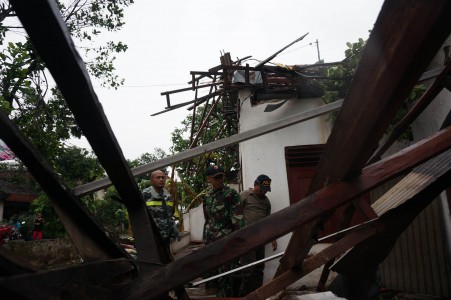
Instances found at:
x=193 y=222
x=266 y=155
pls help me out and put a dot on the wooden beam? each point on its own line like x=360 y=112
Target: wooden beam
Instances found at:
x=402 y=203
x=392 y=61
x=419 y=183
x=91 y=240
x=311 y=264
x=391 y=64
x=419 y=106
x=190 y=89
x=100 y=280
x=204 y=122
x=197 y=101
x=232 y=140
x=53 y=42
x=11 y=264
x=284 y=221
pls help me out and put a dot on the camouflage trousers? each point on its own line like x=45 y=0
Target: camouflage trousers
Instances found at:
x=229 y=285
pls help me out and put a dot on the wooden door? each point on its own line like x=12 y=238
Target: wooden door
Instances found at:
x=301 y=162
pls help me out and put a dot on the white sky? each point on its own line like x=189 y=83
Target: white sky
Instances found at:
x=168 y=39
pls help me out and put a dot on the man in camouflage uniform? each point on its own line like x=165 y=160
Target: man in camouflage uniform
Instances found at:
x=160 y=206
x=223 y=214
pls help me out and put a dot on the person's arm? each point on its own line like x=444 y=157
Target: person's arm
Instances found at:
x=237 y=209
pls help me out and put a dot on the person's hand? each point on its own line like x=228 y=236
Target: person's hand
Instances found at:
x=274 y=245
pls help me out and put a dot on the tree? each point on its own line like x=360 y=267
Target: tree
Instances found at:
x=37 y=108
x=145 y=158
x=340 y=78
x=75 y=166
x=108 y=209
x=220 y=125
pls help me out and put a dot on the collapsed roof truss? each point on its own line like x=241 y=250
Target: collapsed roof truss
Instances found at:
x=371 y=104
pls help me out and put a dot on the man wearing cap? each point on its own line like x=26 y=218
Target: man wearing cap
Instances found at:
x=256 y=207
x=223 y=214
x=161 y=207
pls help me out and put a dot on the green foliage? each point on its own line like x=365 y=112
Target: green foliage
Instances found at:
x=146 y=158
x=108 y=211
x=340 y=78
x=53 y=228
x=192 y=173
x=75 y=166
x=39 y=110
x=78 y=166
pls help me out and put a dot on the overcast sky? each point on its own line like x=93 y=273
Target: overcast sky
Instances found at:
x=168 y=39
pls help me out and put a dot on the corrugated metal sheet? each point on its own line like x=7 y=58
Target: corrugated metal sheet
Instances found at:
x=418 y=263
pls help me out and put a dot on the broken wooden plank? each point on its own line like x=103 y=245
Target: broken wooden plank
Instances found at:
x=196 y=101
x=190 y=89
x=263 y=62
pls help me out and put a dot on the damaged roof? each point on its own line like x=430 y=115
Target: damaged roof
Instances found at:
x=392 y=63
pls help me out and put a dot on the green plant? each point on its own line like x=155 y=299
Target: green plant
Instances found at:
x=339 y=82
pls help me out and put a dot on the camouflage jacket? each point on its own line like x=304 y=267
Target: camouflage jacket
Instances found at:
x=161 y=208
x=223 y=212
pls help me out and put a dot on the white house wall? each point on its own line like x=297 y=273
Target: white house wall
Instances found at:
x=266 y=154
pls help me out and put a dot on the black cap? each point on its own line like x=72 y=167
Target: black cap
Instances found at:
x=214 y=170
x=264 y=181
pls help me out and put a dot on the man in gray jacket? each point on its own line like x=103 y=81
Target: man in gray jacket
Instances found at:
x=256 y=207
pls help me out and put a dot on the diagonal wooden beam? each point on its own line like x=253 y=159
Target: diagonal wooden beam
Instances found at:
x=96 y=280
x=423 y=184
x=391 y=64
x=53 y=43
x=284 y=221
x=404 y=201
x=90 y=239
x=11 y=264
x=311 y=264
x=414 y=112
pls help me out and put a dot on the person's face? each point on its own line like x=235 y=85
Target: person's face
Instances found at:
x=216 y=181
x=158 y=179
x=39 y=215
x=258 y=191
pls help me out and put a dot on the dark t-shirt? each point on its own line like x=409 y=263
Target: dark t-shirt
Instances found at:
x=38 y=224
